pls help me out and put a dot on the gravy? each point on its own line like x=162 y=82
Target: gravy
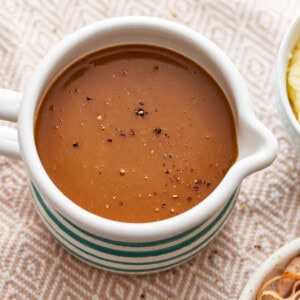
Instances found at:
x=135 y=133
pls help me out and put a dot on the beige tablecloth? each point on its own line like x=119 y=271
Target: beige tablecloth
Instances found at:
x=267 y=213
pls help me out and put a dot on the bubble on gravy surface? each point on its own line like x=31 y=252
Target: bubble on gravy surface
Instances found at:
x=135 y=133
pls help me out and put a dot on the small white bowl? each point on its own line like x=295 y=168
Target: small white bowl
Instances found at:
x=287 y=46
x=273 y=266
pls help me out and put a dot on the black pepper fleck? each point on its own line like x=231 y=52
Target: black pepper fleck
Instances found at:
x=199 y=181
x=88 y=98
x=157 y=131
x=52 y=107
x=75 y=145
x=109 y=140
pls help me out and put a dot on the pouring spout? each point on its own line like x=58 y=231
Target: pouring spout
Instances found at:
x=258 y=147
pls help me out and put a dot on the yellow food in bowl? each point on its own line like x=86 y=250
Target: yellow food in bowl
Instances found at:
x=293 y=81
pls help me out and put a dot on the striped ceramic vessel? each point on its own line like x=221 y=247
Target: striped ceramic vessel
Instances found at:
x=135 y=248
x=131 y=257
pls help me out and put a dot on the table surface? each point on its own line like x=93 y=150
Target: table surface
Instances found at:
x=34 y=266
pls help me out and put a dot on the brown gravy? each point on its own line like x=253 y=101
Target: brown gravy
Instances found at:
x=135 y=133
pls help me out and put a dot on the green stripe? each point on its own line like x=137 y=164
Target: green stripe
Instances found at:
x=130 y=253
x=132 y=244
x=129 y=270
x=133 y=263
x=128 y=244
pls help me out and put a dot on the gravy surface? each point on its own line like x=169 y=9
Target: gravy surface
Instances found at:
x=135 y=133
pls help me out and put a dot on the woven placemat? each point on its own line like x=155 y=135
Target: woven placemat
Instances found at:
x=266 y=216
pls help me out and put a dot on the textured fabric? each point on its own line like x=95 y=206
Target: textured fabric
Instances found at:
x=266 y=216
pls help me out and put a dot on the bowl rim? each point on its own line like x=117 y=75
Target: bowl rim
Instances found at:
x=277 y=260
x=138 y=232
x=290 y=38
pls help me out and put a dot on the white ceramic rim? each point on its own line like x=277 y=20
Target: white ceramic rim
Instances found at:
x=286 y=47
x=278 y=260
x=121 y=231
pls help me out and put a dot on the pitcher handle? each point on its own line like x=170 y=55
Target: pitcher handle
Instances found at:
x=10 y=102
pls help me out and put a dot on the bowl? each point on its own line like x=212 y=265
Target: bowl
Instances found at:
x=272 y=267
x=137 y=248
x=287 y=46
